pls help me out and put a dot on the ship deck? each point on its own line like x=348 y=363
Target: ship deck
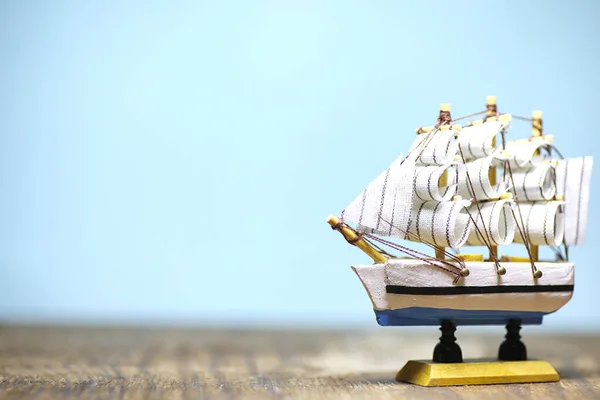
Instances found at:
x=45 y=362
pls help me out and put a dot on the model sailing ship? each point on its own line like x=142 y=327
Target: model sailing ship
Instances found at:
x=471 y=186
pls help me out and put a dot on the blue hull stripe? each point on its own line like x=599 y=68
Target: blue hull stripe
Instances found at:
x=424 y=316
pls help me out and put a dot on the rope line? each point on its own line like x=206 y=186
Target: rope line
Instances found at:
x=456 y=263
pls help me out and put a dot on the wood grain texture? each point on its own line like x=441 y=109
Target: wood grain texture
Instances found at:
x=43 y=362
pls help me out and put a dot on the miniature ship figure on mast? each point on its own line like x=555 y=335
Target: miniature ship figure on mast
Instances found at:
x=469 y=186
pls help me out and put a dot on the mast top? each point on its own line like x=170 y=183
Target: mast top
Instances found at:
x=491 y=108
x=445 y=107
x=536 y=117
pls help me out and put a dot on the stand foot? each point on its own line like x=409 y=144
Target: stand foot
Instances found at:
x=512 y=349
x=447 y=350
x=427 y=373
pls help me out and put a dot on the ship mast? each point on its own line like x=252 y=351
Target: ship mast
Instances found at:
x=444 y=122
x=492 y=112
x=491 y=115
x=444 y=119
x=536 y=134
x=417 y=199
x=383 y=192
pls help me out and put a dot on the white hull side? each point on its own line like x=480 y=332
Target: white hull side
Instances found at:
x=417 y=274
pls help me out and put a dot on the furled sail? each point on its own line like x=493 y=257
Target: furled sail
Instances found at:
x=490 y=216
x=498 y=224
x=477 y=179
x=573 y=176
x=544 y=222
x=526 y=152
x=436 y=217
x=477 y=141
x=425 y=183
x=385 y=206
x=535 y=183
x=415 y=198
x=471 y=187
x=435 y=148
x=444 y=224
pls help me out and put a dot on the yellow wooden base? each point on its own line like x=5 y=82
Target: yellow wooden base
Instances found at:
x=428 y=373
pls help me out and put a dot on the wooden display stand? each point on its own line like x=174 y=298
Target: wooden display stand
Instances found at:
x=427 y=373
x=448 y=369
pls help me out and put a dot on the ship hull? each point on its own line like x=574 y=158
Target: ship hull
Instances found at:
x=413 y=293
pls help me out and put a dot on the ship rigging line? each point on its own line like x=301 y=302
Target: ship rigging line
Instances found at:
x=413 y=253
x=553 y=147
x=489 y=240
x=523 y=232
x=408 y=251
x=423 y=145
x=488 y=245
x=472 y=191
x=549 y=149
x=525 y=119
x=435 y=129
x=469 y=116
x=431 y=245
x=382 y=251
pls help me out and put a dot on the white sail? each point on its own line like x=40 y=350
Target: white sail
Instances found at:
x=435 y=218
x=498 y=220
x=437 y=147
x=407 y=200
x=383 y=208
x=524 y=152
x=476 y=179
x=444 y=224
x=426 y=183
x=544 y=222
x=535 y=183
x=476 y=141
x=573 y=178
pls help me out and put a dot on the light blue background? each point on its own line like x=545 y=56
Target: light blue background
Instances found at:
x=176 y=161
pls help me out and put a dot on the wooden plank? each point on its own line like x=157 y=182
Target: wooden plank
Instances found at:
x=127 y=363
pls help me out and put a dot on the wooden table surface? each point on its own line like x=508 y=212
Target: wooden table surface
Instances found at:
x=127 y=363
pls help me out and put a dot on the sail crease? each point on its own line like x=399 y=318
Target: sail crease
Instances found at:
x=573 y=178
